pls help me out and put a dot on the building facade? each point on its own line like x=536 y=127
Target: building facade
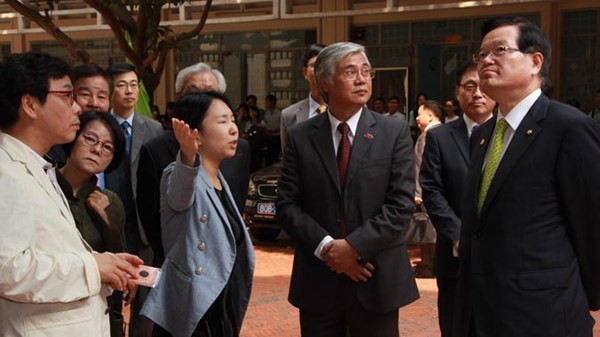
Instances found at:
x=415 y=45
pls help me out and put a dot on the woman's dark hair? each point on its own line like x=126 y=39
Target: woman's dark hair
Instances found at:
x=111 y=123
x=191 y=108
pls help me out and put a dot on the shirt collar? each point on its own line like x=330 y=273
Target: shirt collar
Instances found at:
x=430 y=125
x=312 y=107
x=352 y=122
x=120 y=119
x=471 y=123
x=518 y=112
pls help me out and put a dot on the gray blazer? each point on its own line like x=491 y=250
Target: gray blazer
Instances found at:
x=200 y=251
x=295 y=113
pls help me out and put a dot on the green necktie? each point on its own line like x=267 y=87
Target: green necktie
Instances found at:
x=493 y=160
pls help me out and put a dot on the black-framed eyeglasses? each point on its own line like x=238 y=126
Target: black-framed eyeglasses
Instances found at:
x=91 y=140
x=469 y=87
x=352 y=73
x=496 y=53
x=69 y=95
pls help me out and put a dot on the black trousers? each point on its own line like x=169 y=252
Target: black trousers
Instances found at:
x=348 y=318
x=446 y=302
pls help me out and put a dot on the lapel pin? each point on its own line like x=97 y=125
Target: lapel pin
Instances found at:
x=482 y=141
x=368 y=136
x=529 y=132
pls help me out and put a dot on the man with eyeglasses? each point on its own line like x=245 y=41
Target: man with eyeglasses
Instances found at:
x=91 y=91
x=51 y=283
x=530 y=258
x=137 y=129
x=345 y=196
x=443 y=179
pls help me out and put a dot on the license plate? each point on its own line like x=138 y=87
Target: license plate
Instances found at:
x=265 y=208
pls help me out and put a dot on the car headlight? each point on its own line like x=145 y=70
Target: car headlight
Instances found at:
x=252 y=189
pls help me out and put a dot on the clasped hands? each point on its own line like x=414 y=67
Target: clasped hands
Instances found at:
x=341 y=257
x=116 y=270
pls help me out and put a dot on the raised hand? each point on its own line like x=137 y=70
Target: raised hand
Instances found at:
x=187 y=139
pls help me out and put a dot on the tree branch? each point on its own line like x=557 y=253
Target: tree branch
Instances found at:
x=112 y=19
x=197 y=29
x=46 y=23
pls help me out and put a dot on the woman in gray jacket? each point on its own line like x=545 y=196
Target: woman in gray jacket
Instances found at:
x=207 y=274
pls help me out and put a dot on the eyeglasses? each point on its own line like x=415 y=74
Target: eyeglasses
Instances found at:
x=106 y=148
x=122 y=85
x=469 y=87
x=496 y=53
x=351 y=74
x=67 y=95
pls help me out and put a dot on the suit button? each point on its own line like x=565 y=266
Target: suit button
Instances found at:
x=476 y=235
x=203 y=218
x=201 y=246
x=199 y=271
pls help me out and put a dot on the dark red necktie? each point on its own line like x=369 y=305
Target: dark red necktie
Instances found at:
x=343 y=154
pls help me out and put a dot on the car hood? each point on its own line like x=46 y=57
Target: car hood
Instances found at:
x=269 y=173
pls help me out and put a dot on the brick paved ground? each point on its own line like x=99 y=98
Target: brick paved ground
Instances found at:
x=270 y=314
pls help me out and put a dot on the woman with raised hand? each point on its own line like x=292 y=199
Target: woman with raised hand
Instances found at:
x=207 y=274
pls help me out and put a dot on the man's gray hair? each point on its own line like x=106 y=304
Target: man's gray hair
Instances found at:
x=199 y=67
x=328 y=60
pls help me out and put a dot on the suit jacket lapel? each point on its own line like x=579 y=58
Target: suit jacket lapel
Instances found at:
x=523 y=137
x=19 y=153
x=362 y=142
x=216 y=202
x=323 y=144
x=461 y=138
x=138 y=130
x=479 y=144
x=303 y=112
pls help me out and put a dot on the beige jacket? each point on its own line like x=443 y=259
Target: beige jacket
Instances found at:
x=49 y=280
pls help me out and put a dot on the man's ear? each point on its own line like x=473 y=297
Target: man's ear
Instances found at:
x=29 y=106
x=538 y=61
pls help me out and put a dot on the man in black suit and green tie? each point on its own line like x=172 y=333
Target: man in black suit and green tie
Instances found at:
x=530 y=258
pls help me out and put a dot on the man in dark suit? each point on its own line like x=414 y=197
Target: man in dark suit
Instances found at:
x=156 y=154
x=139 y=129
x=530 y=258
x=309 y=107
x=347 y=215
x=443 y=180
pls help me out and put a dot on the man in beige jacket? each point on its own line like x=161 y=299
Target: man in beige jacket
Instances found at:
x=51 y=282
